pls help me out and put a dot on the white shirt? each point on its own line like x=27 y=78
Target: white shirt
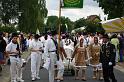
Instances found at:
x=91 y=40
x=11 y=47
x=43 y=41
x=49 y=37
x=36 y=45
x=86 y=41
x=29 y=41
x=49 y=46
x=70 y=46
x=100 y=41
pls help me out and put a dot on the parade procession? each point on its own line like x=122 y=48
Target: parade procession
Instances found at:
x=61 y=41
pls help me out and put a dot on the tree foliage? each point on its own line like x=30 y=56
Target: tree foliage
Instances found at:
x=8 y=10
x=33 y=14
x=28 y=14
x=53 y=23
x=114 y=8
x=92 y=26
x=8 y=29
x=80 y=23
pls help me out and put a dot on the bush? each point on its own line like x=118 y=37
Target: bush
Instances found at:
x=7 y=29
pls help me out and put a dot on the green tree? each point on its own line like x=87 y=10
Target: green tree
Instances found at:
x=33 y=14
x=114 y=8
x=8 y=10
x=91 y=24
x=66 y=24
x=8 y=29
x=69 y=24
x=28 y=14
x=80 y=23
x=53 y=23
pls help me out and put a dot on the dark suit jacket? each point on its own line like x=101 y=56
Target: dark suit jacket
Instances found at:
x=2 y=45
x=107 y=54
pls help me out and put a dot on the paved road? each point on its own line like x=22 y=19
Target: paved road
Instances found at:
x=44 y=76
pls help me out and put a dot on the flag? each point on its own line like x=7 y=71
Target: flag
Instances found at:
x=72 y=3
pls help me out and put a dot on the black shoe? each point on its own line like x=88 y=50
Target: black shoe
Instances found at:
x=41 y=67
x=0 y=69
x=114 y=80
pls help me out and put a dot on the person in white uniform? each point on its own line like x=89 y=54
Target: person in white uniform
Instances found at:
x=36 y=48
x=30 y=38
x=60 y=64
x=50 y=50
x=43 y=41
x=15 y=67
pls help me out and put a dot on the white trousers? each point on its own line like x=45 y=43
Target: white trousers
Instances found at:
x=15 y=68
x=60 y=67
x=53 y=59
x=69 y=52
x=98 y=67
x=35 y=65
x=117 y=56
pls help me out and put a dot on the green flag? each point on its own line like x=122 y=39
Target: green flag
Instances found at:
x=72 y=3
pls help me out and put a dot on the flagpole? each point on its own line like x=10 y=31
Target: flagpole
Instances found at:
x=59 y=30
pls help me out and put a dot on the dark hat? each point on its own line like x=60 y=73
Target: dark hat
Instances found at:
x=84 y=33
x=36 y=36
x=14 y=35
x=105 y=36
x=53 y=32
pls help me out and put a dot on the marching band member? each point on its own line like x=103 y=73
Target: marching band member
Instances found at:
x=30 y=38
x=60 y=65
x=13 y=50
x=80 y=55
x=95 y=54
x=68 y=46
x=50 y=50
x=107 y=58
x=36 y=48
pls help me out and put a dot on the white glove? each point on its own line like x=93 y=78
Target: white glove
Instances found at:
x=110 y=63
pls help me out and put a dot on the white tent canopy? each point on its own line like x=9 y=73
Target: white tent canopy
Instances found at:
x=114 y=25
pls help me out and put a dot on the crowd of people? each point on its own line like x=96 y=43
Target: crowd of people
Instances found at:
x=51 y=51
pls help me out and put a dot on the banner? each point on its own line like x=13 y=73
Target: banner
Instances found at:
x=72 y=3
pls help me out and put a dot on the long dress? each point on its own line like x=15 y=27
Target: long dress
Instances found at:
x=95 y=53
x=81 y=56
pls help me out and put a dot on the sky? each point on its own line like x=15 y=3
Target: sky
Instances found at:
x=90 y=8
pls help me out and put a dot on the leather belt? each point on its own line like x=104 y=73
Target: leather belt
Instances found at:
x=15 y=56
x=52 y=51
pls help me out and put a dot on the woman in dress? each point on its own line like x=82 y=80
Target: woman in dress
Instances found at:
x=95 y=54
x=80 y=55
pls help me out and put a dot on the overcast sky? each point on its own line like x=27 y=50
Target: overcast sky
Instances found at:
x=90 y=8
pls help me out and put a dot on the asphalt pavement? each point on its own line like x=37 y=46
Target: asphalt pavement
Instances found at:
x=44 y=76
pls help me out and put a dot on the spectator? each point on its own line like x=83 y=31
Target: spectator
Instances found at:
x=2 y=49
x=121 y=41
x=115 y=42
